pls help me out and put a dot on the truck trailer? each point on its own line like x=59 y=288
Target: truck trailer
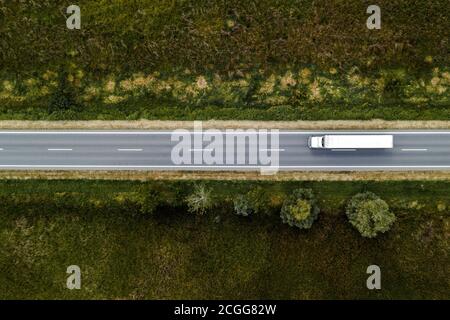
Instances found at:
x=351 y=141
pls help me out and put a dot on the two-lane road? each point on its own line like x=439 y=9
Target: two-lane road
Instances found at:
x=152 y=150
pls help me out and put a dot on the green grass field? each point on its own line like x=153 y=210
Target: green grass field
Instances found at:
x=46 y=226
x=262 y=60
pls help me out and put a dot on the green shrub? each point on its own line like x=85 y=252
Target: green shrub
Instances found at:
x=150 y=202
x=242 y=206
x=200 y=201
x=369 y=214
x=63 y=98
x=259 y=200
x=300 y=209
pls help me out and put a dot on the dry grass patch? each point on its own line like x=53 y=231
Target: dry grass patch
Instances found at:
x=376 y=124
x=229 y=176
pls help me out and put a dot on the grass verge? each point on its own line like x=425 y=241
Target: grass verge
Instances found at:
x=48 y=225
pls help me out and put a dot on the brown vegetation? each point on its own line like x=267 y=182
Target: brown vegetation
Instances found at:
x=214 y=175
x=222 y=124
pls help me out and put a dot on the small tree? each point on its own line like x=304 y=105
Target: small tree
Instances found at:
x=242 y=206
x=300 y=209
x=63 y=98
x=369 y=214
x=200 y=200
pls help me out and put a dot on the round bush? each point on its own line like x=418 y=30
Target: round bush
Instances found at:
x=369 y=214
x=300 y=209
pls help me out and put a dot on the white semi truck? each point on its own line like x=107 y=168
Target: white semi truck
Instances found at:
x=351 y=141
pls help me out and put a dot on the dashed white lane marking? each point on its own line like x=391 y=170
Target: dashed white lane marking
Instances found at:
x=130 y=150
x=272 y=150
x=200 y=150
x=59 y=149
x=414 y=149
x=343 y=149
x=1 y=149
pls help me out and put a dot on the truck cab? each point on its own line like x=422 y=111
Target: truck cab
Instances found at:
x=316 y=142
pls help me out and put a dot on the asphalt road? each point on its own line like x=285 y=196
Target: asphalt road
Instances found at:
x=152 y=150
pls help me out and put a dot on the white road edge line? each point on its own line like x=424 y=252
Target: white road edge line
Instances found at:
x=414 y=149
x=131 y=150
